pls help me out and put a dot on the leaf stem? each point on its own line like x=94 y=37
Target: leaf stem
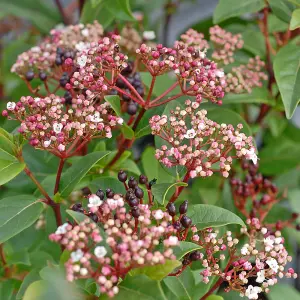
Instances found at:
x=180 y=189
x=58 y=175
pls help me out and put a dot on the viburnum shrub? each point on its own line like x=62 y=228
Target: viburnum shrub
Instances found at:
x=131 y=168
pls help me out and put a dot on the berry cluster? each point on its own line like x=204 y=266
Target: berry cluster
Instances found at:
x=50 y=125
x=255 y=196
x=134 y=78
x=135 y=236
x=199 y=144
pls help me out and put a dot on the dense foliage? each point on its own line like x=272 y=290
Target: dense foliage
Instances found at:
x=133 y=168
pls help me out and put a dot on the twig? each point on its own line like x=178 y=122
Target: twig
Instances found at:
x=62 y=12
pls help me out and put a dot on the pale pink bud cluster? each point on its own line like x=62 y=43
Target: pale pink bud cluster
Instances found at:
x=193 y=38
x=225 y=44
x=51 y=125
x=93 y=63
x=71 y=38
x=197 y=75
x=198 y=143
x=245 y=77
x=262 y=257
x=126 y=242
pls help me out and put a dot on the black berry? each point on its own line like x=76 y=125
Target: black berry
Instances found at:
x=94 y=217
x=186 y=222
x=78 y=207
x=100 y=194
x=183 y=207
x=132 y=183
x=43 y=76
x=133 y=202
x=139 y=192
x=29 y=75
x=171 y=209
x=109 y=193
x=143 y=179
x=135 y=212
x=196 y=255
x=122 y=176
x=132 y=108
x=68 y=97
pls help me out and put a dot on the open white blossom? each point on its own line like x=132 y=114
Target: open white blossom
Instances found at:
x=94 y=201
x=10 y=105
x=47 y=143
x=100 y=251
x=190 y=134
x=76 y=255
x=62 y=229
x=158 y=214
x=81 y=60
x=57 y=127
x=272 y=262
x=252 y=292
x=252 y=155
x=260 y=276
x=149 y=35
x=85 y=32
x=96 y=117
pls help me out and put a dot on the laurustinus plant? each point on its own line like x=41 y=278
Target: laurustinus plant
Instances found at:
x=139 y=170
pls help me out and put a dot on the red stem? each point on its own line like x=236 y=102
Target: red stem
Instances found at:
x=62 y=12
x=167 y=100
x=172 y=87
x=150 y=90
x=58 y=175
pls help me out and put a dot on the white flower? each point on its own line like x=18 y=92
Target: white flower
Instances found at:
x=85 y=32
x=94 y=201
x=172 y=241
x=219 y=73
x=81 y=60
x=252 y=292
x=120 y=121
x=10 y=105
x=100 y=251
x=47 y=143
x=82 y=46
x=272 y=262
x=250 y=154
x=76 y=255
x=37 y=99
x=158 y=214
x=57 y=127
x=190 y=134
x=62 y=229
x=149 y=35
x=61 y=147
x=201 y=126
x=260 y=276
x=268 y=244
x=244 y=249
x=96 y=118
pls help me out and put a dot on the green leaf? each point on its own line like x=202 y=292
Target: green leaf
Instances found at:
x=32 y=276
x=7 y=289
x=78 y=217
x=276 y=25
x=233 y=8
x=77 y=171
x=214 y=297
x=9 y=170
x=139 y=287
x=185 y=248
x=157 y=272
x=254 y=41
x=204 y=216
x=282 y=9
x=53 y=286
x=294 y=199
x=283 y=291
x=258 y=95
x=287 y=74
x=120 y=9
x=295 y=21
x=161 y=190
x=279 y=156
x=18 y=258
x=16 y=214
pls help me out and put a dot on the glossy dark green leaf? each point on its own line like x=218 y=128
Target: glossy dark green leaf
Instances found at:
x=287 y=74
x=204 y=216
x=234 y=8
x=9 y=170
x=157 y=272
x=16 y=214
x=283 y=291
x=77 y=171
x=78 y=217
x=32 y=276
x=295 y=21
x=282 y=9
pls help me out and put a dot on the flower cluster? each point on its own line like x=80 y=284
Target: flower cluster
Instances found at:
x=225 y=44
x=245 y=77
x=252 y=269
x=198 y=143
x=50 y=125
x=62 y=44
x=255 y=196
x=197 y=75
x=93 y=63
x=193 y=38
x=134 y=236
